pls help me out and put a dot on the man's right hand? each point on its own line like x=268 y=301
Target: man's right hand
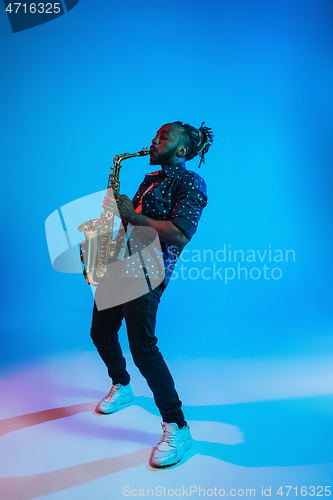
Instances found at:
x=110 y=204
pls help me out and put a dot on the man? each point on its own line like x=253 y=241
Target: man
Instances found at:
x=169 y=201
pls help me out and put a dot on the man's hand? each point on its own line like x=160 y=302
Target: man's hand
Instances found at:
x=123 y=206
x=110 y=204
x=166 y=231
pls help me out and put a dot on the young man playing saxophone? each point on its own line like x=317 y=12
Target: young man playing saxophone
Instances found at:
x=169 y=201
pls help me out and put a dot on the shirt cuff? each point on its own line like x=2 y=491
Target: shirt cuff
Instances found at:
x=186 y=227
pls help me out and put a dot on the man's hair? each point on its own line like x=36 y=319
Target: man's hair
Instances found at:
x=197 y=140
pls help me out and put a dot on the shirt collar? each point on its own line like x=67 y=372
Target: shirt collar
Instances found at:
x=169 y=171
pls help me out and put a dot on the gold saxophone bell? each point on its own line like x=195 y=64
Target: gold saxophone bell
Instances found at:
x=99 y=246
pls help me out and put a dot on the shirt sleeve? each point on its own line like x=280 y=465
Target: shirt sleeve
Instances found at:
x=189 y=200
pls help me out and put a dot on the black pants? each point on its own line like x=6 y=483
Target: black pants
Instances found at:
x=140 y=317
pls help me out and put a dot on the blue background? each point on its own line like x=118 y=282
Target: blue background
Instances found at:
x=101 y=80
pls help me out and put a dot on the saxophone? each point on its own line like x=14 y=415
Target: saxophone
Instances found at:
x=99 y=246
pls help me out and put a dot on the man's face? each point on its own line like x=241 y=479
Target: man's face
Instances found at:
x=165 y=145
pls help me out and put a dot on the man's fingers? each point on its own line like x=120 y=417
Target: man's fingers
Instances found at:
x=111 y=204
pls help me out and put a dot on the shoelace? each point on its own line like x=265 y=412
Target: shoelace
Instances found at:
x=168 y=437
x=112 y=391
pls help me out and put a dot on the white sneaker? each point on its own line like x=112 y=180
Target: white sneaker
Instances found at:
x=172 y=445
x=118 y=395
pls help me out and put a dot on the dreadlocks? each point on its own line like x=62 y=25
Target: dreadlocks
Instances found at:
x=197 y=140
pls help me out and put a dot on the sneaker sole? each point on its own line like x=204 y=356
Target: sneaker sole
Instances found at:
x=187 y=446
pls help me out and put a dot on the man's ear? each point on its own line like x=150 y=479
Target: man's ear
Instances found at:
x=182 y=152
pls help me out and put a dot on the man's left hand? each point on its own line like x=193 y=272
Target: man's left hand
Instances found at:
x=125 y=207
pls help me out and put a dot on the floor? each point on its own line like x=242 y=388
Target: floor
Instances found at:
x=261 y=427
